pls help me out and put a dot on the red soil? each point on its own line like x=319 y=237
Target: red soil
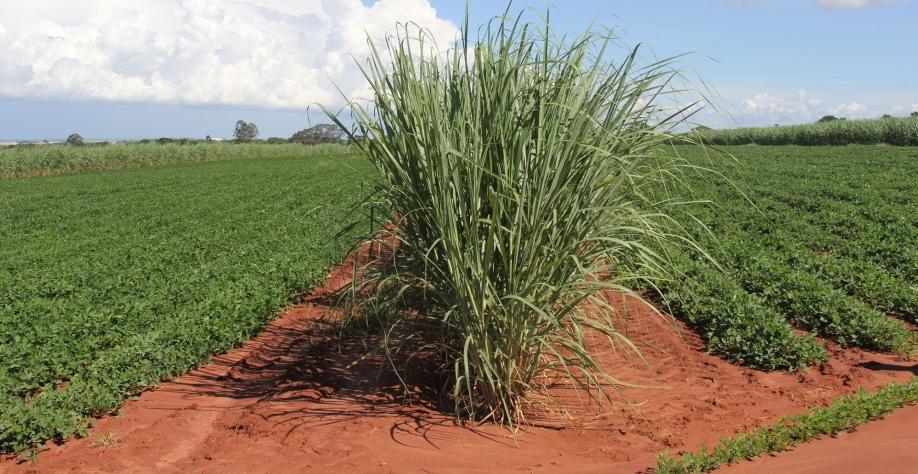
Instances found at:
x=889 y=445
x=293 y=399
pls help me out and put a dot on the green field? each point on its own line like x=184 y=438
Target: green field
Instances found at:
x=45 y=160
x=897 y=131
x=112 y=281
x=820 y=238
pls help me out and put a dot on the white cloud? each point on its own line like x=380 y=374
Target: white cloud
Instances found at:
x=769 y=108
x=854 y=4
x=851 y=109
x=905 y=109
x=266 y=53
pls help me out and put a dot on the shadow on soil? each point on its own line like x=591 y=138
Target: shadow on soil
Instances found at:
x=913 y=368
x=304 y=376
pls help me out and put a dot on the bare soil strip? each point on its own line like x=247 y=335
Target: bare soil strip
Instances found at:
x=293 y=399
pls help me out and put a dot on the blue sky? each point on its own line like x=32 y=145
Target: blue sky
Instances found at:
x=151 y=68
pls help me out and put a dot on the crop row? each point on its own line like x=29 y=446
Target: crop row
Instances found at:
x=44 y=160
x=841 y=205
x=854 y=271
x=844 y=414
x=810 y=302
x=735 y=324
x=895 y=248
x=805 y=299
x=786 y=234
x=113 y=281
x=775 y=271
x=892 y=131
x=765 y=264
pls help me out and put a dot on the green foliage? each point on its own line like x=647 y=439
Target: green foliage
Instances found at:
x=810 y=302
x=74 y=139
x=320 y=133
x=823 y=236
x=245 y=131
x=510 y=170
x=855 y=275
x=113 y=281
x=735 y=325
x=44 y=160
x=828 y=131
x=844 y=414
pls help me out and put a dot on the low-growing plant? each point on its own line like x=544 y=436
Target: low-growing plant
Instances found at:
x=817 y=246
x=44 y=160
x=734 y=324
x=811 y=303
x=106 y=441
x=513 y=169
x=113 y=282
x=844 y=414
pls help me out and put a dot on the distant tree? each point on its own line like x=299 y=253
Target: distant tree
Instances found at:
x=208 y=139
x=357 y=139
x=914 y=114
x=828 y=118
x=886 y=116
x=245 y=131
x=321 y=133
x=276 y=140
x=75 y=139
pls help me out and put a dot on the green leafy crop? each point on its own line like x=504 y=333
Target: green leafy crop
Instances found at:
x=114 y=281
x=845 y=413
x=824 y=237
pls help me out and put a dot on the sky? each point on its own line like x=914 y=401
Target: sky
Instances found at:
x=128 y=69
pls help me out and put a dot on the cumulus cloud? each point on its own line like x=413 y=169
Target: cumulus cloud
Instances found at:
x=854 y=4
x=265 y=53
x=765 y=108
x=905 y=109
x=850 y=109
x=768 y=105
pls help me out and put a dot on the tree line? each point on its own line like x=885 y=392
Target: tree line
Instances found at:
x=247 y=132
